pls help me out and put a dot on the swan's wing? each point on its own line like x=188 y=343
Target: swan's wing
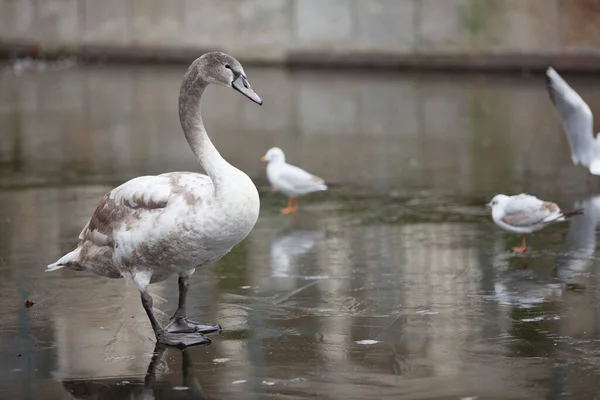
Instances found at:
x=142 y=199
x=575 y=115
x=297 y=179
x=525 y=210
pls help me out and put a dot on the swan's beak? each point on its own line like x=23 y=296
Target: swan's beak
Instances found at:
x=487 y=206
x=241 y=85
x=264 y=159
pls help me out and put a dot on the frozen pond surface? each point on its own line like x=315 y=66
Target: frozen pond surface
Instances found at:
x=395 y=284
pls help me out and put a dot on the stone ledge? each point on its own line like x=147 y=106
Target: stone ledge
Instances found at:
x=496 y=62
x=506 y=62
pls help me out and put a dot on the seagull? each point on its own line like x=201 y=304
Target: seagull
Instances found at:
x=577 y=120
x=526 y=214
x=289 y=179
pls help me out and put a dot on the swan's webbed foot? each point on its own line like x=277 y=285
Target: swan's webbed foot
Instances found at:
x=182 y=339
x=181 y=325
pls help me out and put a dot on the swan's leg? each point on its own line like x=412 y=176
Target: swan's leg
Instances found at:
x=292 y=206
x=523 y=248
x=142 y=279
x=179 y=321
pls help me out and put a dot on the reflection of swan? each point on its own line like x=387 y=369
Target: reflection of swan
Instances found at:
x=288 y=245
x=581 y=240
x=120 y=388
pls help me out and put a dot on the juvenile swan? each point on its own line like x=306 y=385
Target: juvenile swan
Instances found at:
x=525 y=214
x=289 y=179
x=154 y=226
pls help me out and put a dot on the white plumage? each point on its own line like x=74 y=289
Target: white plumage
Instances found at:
x=154 y=226
x=577 y=120
x=525 y=214
x=289 y=179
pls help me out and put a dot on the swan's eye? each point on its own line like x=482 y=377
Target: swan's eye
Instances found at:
x=227 y=66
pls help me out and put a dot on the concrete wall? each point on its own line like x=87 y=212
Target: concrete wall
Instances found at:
x=347 y=31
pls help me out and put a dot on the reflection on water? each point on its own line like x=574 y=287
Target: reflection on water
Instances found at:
x=397 y=284
x=149 y=388
x=580 y=246
x=288 y=246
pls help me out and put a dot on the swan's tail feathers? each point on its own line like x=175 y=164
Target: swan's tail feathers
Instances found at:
x=571 y=213
x=67 y=258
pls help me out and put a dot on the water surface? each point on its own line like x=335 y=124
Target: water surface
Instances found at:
x=395 y=284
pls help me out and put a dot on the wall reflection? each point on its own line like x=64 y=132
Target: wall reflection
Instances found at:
x=469 y=135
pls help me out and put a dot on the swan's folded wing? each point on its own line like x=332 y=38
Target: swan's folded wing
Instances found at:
x=525 y=210
x=126 y=204
x=575 y=115
x=141 y=199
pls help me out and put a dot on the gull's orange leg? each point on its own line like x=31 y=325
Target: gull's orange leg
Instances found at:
x=289 y=209
x=523 y=248
x=292 y=206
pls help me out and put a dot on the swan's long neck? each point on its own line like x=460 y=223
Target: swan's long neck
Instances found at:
x=190 y=118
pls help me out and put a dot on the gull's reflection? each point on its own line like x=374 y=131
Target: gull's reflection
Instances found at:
x=132 y=388
x=522 y=288
x=580 y=246
x=289 y=245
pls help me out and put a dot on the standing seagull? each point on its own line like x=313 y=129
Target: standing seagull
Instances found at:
x=525 y=214
x=578 y=122
x=289 y=179
x=154 y=226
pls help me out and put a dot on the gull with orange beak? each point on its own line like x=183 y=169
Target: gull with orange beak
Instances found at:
x=526 y=214
x=289 y=179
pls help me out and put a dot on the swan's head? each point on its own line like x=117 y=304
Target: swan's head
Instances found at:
x=273 y=154
x=498 y=200
x=224 y=70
